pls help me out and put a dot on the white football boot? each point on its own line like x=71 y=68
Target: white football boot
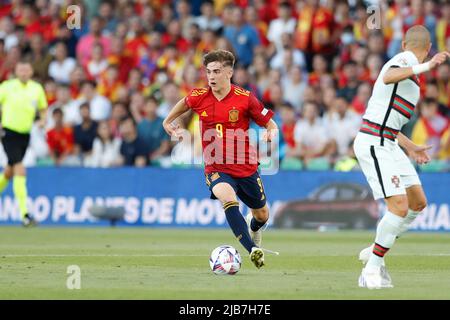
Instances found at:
x=370 y=278
x=364 y=256
x=255 y=235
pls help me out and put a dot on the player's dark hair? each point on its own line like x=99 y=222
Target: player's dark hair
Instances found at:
x=223 y=56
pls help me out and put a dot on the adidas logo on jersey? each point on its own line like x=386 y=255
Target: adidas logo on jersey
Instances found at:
x=204 y=114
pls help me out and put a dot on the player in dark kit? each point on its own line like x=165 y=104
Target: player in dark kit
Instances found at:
x=231 y=164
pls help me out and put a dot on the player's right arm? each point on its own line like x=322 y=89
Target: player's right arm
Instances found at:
x=417 y=153
x=394 y=75
x=179 y=108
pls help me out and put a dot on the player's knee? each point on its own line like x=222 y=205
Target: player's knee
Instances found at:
x=225 y=197
x=419 y=205
x=398 y=205
x=262 y=214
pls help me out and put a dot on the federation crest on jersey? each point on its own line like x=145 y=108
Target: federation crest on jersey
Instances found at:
x=233 y=115
x=396 y=181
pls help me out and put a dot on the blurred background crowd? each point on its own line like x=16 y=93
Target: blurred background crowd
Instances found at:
x=110 y=83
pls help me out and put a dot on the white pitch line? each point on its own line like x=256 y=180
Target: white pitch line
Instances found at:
x=96 y=255
x=171 y=255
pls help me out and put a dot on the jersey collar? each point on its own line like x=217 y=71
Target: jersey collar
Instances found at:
x=228 y=94
x=413 y=57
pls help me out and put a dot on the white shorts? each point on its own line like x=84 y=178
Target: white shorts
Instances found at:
x=387 y=168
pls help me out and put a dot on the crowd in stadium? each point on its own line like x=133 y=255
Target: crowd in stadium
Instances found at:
x=110 y=83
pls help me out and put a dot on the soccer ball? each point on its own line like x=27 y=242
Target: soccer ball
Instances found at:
x=225 y=260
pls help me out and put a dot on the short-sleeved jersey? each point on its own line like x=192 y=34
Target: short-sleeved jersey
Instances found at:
x=392 y=105
x=224 y=128
x=19 y=104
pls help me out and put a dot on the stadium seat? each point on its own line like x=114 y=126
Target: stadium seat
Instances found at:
x=181 y=166
x=318 y=164
x=435 y=166
x=156 y=163
x=45 y=162
x=291 y=164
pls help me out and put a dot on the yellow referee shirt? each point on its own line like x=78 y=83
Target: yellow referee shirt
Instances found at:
x=20 y=102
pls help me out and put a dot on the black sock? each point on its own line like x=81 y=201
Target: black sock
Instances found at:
x=255 y=225
x=238 y=225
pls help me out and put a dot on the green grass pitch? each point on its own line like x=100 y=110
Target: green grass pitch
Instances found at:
x=146 y=263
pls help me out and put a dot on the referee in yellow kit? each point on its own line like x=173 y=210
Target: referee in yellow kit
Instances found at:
x=21 y=99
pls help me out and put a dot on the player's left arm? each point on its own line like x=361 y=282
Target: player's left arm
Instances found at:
x=263 y=117
x=180 y=108
x=417 y=153
x=271 y=132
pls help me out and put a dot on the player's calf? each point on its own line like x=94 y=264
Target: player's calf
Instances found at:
x=256 y=220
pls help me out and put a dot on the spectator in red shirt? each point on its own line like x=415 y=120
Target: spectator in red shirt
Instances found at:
x=267 y=10
x=320 y=68
x=76 y=79
x=374 y=65
x=60 y=140
x=120 y=57
x=8 y=64
x=288 y=121
x=109 y=83
x=30 y=20
x=137 y=40
x=359 y=103
x=173 y=36
x=52 y=20
x=315 y=29
x=349 y=81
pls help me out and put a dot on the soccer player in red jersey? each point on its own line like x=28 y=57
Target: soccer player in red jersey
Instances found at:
x=231 y=164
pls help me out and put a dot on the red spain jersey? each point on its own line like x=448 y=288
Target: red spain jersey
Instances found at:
x=224 y=129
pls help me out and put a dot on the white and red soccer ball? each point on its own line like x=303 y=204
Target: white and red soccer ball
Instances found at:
x=225 y=260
